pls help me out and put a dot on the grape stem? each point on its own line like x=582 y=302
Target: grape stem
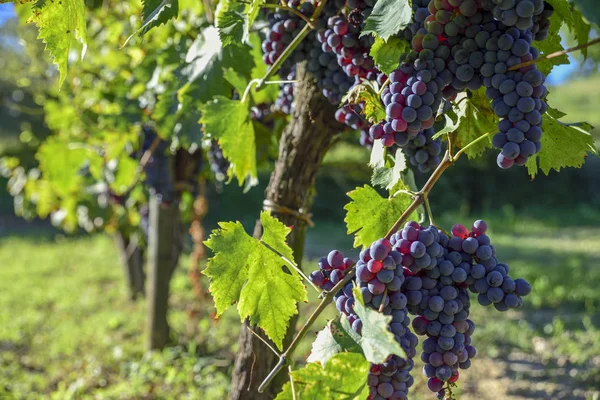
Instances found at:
x=263 y=340
x=290 y=10
x=283 y=358
x=555 y=54
x=291 y=264
x=382 y=306
x=480 y=138
x=290 y=48
x=292 y=383
x=428 y=209
x=385 y=84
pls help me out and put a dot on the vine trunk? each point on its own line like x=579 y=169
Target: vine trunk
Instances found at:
x=304 y=142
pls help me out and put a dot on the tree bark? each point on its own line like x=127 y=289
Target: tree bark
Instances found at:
x=302 y=147
x=132 y=261
x=164 y=247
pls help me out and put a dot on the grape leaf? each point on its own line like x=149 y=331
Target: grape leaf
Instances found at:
x=58 y=23
x=343 y=378
x=388 y=18
x=563 y=145
x=233 y=26
x=229 y=121
x=590 y=10
x=234 y=20
x=387 y=177
x=566 y=14
x=552 y=43
x=377 y=341
x=386 y=54
x=580 y=30
x=207 y=59
x=335 y=338
x=245 y=271
x=475 y=119
x=155 y=13
x=365 y=93
x=369 y=216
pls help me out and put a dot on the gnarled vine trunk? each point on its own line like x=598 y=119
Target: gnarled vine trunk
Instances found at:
x=302 y=147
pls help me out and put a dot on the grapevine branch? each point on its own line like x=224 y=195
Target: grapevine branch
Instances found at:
x=555 y=54
x=418 y=200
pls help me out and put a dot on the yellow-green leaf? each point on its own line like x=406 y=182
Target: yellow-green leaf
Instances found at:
x=229 y=122
x=369 y=216
x=245 y=271
x=59 y=22
x=343 y=378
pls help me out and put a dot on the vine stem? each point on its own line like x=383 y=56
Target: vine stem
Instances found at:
x=291 y=264
x=385 y=84
x=480 y=138
x=555 y=54
x=291 y=47
x=291 y=10
x=283 y=358
x=418 y=200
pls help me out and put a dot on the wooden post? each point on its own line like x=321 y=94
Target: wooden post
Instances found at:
x=132 y=261
x=164 y=247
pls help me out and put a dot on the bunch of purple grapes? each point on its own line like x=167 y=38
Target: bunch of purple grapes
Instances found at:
x=466 y=44
x=284 y=27
x=380 y=275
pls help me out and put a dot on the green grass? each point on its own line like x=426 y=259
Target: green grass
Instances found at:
x=67 y=330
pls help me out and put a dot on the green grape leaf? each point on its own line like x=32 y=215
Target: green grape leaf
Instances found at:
x=373 y=109
x=234 y=20
x=343 y=378
x=563 y=145
x=233 y=26
x=245 y=271
x=386 y=54
x=552 y=43
x=451 y=123
x=387 y=177
x=475 y=119
x=334 y=338
x=369 y=216
x=155 y=13
x=207 y=59
x=590 y=10
x=388 y=18
x=581 y=30
x=59 y=22
x=377 y=341
x=229 y=122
